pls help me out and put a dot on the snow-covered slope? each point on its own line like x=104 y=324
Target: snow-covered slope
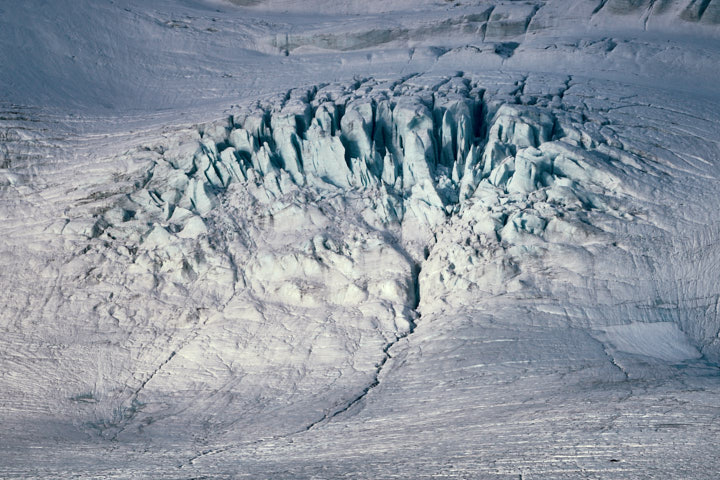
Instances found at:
x=373 y=240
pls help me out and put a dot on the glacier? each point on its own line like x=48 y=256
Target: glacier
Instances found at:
x=395 y=240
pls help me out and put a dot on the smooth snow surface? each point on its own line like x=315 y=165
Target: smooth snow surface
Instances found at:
x=287 y=240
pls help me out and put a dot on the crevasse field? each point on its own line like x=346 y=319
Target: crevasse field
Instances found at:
x=277 y=239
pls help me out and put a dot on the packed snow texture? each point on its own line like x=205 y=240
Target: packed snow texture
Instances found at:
x=462 y=270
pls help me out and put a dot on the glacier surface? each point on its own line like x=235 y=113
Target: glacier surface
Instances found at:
x=395 y=240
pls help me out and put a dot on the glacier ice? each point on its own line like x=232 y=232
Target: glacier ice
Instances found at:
x=421 y=254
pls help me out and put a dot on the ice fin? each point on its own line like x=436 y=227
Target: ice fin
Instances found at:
x=243 y=141
x=325 y=158
x=530 y=163
x=390 y=169
x=233 y=164
x=356 y=128
x=198 y=195
x=500 y=174
x=472 y=174
x=416 y=165
x=261 y=160
x=361 y=175
x=521 y=126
